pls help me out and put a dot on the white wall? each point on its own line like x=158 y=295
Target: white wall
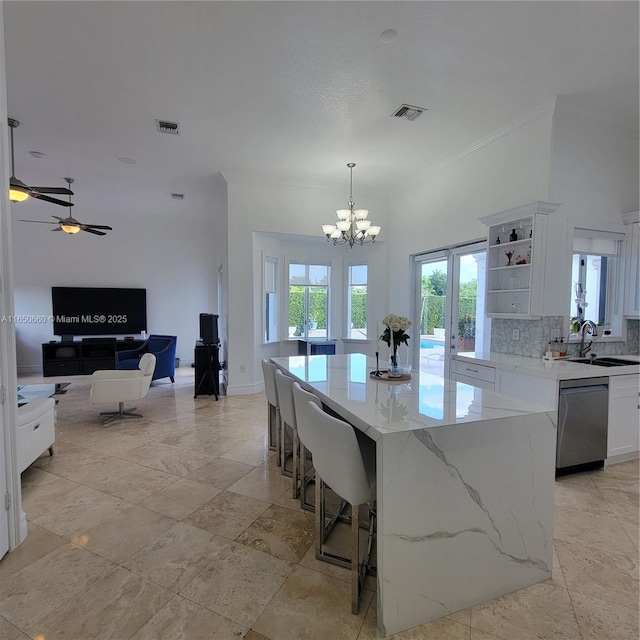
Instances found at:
x=594 y=166
x=268 y=207
x=443 y=209
x=172 y=256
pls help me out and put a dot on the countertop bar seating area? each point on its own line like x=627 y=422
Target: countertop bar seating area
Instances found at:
x=465 y=482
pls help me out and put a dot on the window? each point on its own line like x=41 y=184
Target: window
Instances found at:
x=270 y=284
x=308 y=300
x=357 y=302
x=594 y=273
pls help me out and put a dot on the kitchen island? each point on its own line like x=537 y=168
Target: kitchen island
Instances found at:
x=465 y=481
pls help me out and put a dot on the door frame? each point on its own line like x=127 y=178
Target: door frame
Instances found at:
x=449 y=254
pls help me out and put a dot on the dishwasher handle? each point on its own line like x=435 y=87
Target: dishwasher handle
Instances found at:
x=572 y=390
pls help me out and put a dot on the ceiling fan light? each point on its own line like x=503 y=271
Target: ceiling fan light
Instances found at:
x=70 y=228
x=16 y=195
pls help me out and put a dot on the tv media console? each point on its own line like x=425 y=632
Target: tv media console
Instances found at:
x=71 y=358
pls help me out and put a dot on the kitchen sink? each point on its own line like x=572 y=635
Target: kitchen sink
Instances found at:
x=603 y=362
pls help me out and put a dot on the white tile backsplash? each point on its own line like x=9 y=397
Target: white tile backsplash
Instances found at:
x=535 y=335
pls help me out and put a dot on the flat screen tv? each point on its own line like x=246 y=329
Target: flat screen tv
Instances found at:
x=89 y=311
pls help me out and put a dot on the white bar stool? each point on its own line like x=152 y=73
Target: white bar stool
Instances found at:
x=273 y=410
x=289 y=433
x=339 y=463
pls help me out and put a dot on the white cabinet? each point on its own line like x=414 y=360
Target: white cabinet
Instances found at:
x=36 y=430
x=478 y=375
x=632 y=266
x=516 y=261
x=624 y=415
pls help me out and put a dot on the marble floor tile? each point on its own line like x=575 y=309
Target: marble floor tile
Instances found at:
x=80 y=510
x=629 y=469
x=227 y=514
x=38 y=544
x=312 y=605
x=9 y=632
x=599 y=531
x=281 y=532
x=615 y=483
x=113 y=608
x=238 y=583
x=542 y=611
x=220 y=473
x=249 y=452
x=182 y=618
x=262 y=484
x=174 y=558
x=164 y=457
x=252 y=635
x=47 y=495
x=180 y=498
x=611 y=577
x=632 y=529
x=35 y=591
x=201 y=439
x=624 y=504
x=476 y=634
x=600 y=620
x=584 y=497
x=463 y=617
x=124 y=534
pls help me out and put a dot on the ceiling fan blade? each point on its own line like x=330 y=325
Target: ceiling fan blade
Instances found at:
x=61 y=191
x=41 y=196
x=97 y=233
x=38 y=221
x=98 y=226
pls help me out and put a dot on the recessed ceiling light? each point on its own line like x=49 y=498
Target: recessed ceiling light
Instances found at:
x=126 y=160
x=177 y=196
x=37 y=154
x=388 y=35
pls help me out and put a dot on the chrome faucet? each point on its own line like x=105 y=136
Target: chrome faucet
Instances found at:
x=593 y=330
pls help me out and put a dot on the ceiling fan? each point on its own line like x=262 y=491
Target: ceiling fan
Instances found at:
x=72 y=226
x=20 y=191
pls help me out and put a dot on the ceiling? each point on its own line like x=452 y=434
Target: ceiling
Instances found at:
x=292 y=90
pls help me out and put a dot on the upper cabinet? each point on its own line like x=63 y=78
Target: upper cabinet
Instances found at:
x=632 y=265
x=517 y=261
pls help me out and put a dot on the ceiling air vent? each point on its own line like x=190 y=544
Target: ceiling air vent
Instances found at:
x=177 y=196
x=407 y=112
x=171 y=128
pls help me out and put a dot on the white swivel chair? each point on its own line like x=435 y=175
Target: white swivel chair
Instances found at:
x=289 y=431
x=273 y=410
x=339 y=463
x=122 y=386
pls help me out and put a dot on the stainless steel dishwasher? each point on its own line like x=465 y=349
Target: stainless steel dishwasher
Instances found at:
x=583 y=409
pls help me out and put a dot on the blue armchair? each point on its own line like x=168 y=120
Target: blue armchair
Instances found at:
x=162 y=347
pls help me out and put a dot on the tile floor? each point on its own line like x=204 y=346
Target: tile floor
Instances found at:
x=180 y=527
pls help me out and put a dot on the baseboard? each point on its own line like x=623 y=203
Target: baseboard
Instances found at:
x=29 y=368
x=623 y=457
x=245 y=389
x=24 y=528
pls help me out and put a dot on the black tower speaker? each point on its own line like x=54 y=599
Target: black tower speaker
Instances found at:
x=209 y=328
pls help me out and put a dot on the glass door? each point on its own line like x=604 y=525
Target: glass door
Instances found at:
x=433 y=309
x=450 y=306
x=470 y=329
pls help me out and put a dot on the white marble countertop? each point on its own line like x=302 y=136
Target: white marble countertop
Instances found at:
x=380 y=407
x=559 y=370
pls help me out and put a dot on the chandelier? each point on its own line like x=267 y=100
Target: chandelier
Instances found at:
x=352 y=226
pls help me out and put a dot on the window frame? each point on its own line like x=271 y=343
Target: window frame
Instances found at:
x=347 y=300
x=307 y=321
x=275 y=324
